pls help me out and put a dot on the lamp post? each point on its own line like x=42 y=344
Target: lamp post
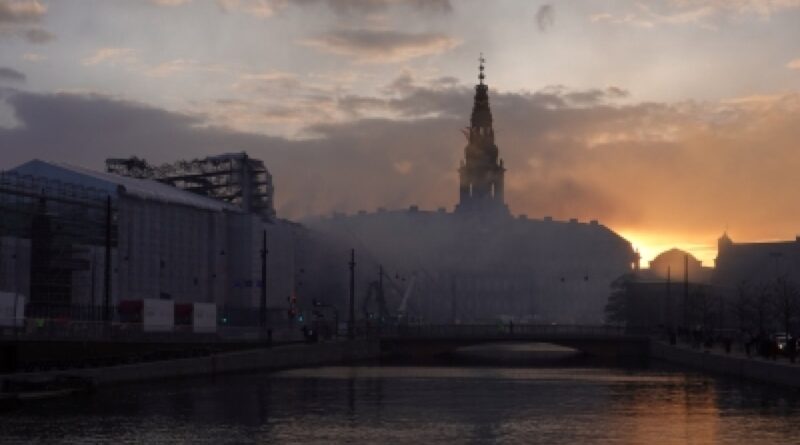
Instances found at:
x=777 y=257
x=16 y=286
x=94 y=260
x=263 y=299
x=351 y=326
x=107 y=271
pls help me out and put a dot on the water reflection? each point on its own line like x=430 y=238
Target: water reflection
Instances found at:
x=385 y=404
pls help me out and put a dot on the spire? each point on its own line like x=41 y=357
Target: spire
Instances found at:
x=481 y=114
x=481 y=76
x=481 y=174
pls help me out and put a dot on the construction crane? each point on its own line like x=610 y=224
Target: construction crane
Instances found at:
x=375 y=292
x=402 y=310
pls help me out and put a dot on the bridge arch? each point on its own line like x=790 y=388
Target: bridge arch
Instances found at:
x=429 y=341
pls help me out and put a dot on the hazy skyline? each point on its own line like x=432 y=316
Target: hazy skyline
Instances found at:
x=669 y=121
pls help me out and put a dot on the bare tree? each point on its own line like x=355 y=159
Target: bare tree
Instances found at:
x=743 y=307
x=761 y=308
x=785 y=302
x=618 y=309
x=702 y=304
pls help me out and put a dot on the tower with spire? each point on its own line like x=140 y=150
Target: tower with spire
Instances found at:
x=481 y=173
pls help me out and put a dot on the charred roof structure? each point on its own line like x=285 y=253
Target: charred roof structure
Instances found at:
x=234 y=178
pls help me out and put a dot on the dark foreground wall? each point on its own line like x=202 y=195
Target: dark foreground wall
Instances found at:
x=266 y=359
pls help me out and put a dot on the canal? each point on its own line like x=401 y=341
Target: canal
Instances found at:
x=544 y=396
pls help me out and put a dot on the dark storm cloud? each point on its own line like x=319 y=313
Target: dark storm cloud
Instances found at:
x=36 y=35
x=11 y=75
x=594 y=96
x=32 y=35
x=85 y=129
x=444 y=96
x=365 y=163
x=371 y=45
x=545 y=17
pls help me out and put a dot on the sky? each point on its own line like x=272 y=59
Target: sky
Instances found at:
x=669 y=121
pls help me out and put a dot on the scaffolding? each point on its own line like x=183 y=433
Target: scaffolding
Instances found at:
x=235 y=178
x=59 y=225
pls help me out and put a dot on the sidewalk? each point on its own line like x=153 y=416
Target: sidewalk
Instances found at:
x=738 y=351
x=736 y=364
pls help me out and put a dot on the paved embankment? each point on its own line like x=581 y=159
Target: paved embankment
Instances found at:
x=265 y=359
x=733 y=365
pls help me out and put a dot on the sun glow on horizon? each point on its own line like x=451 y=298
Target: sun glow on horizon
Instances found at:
x=650 y=245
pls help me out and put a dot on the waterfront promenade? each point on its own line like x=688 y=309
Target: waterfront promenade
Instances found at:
x=736 y=363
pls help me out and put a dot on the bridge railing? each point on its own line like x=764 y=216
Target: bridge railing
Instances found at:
x=71 y=330
x=55 y=329
x=500 y=331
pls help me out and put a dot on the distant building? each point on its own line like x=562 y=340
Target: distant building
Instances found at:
x=479 y=263
x=747 y=281
x=756 y=263
x=676 y=265
x=165 y=242
x=665 y=294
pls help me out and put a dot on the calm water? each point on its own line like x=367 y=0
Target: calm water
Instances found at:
x=556 y=403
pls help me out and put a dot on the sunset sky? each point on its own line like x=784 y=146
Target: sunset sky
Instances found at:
x=669 y=121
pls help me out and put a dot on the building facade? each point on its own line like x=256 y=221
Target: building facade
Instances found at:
x=478 y=263
x=163 y=242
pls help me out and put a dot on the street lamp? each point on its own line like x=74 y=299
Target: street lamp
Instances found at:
x=16 y=285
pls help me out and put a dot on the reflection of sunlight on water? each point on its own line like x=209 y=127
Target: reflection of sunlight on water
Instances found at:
x=624 y=406
x=676 y=414
x=422 y=404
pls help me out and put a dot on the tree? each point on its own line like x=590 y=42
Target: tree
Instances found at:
x=702 y=309
x=761 y=308
x=785 y=302
x=743 y=306
x=618 y=309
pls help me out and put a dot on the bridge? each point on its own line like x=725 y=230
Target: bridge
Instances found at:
x=65 y=344
x=431 y=340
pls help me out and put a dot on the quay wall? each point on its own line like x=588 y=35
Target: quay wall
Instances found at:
x=263 y=359
x=737 y=366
